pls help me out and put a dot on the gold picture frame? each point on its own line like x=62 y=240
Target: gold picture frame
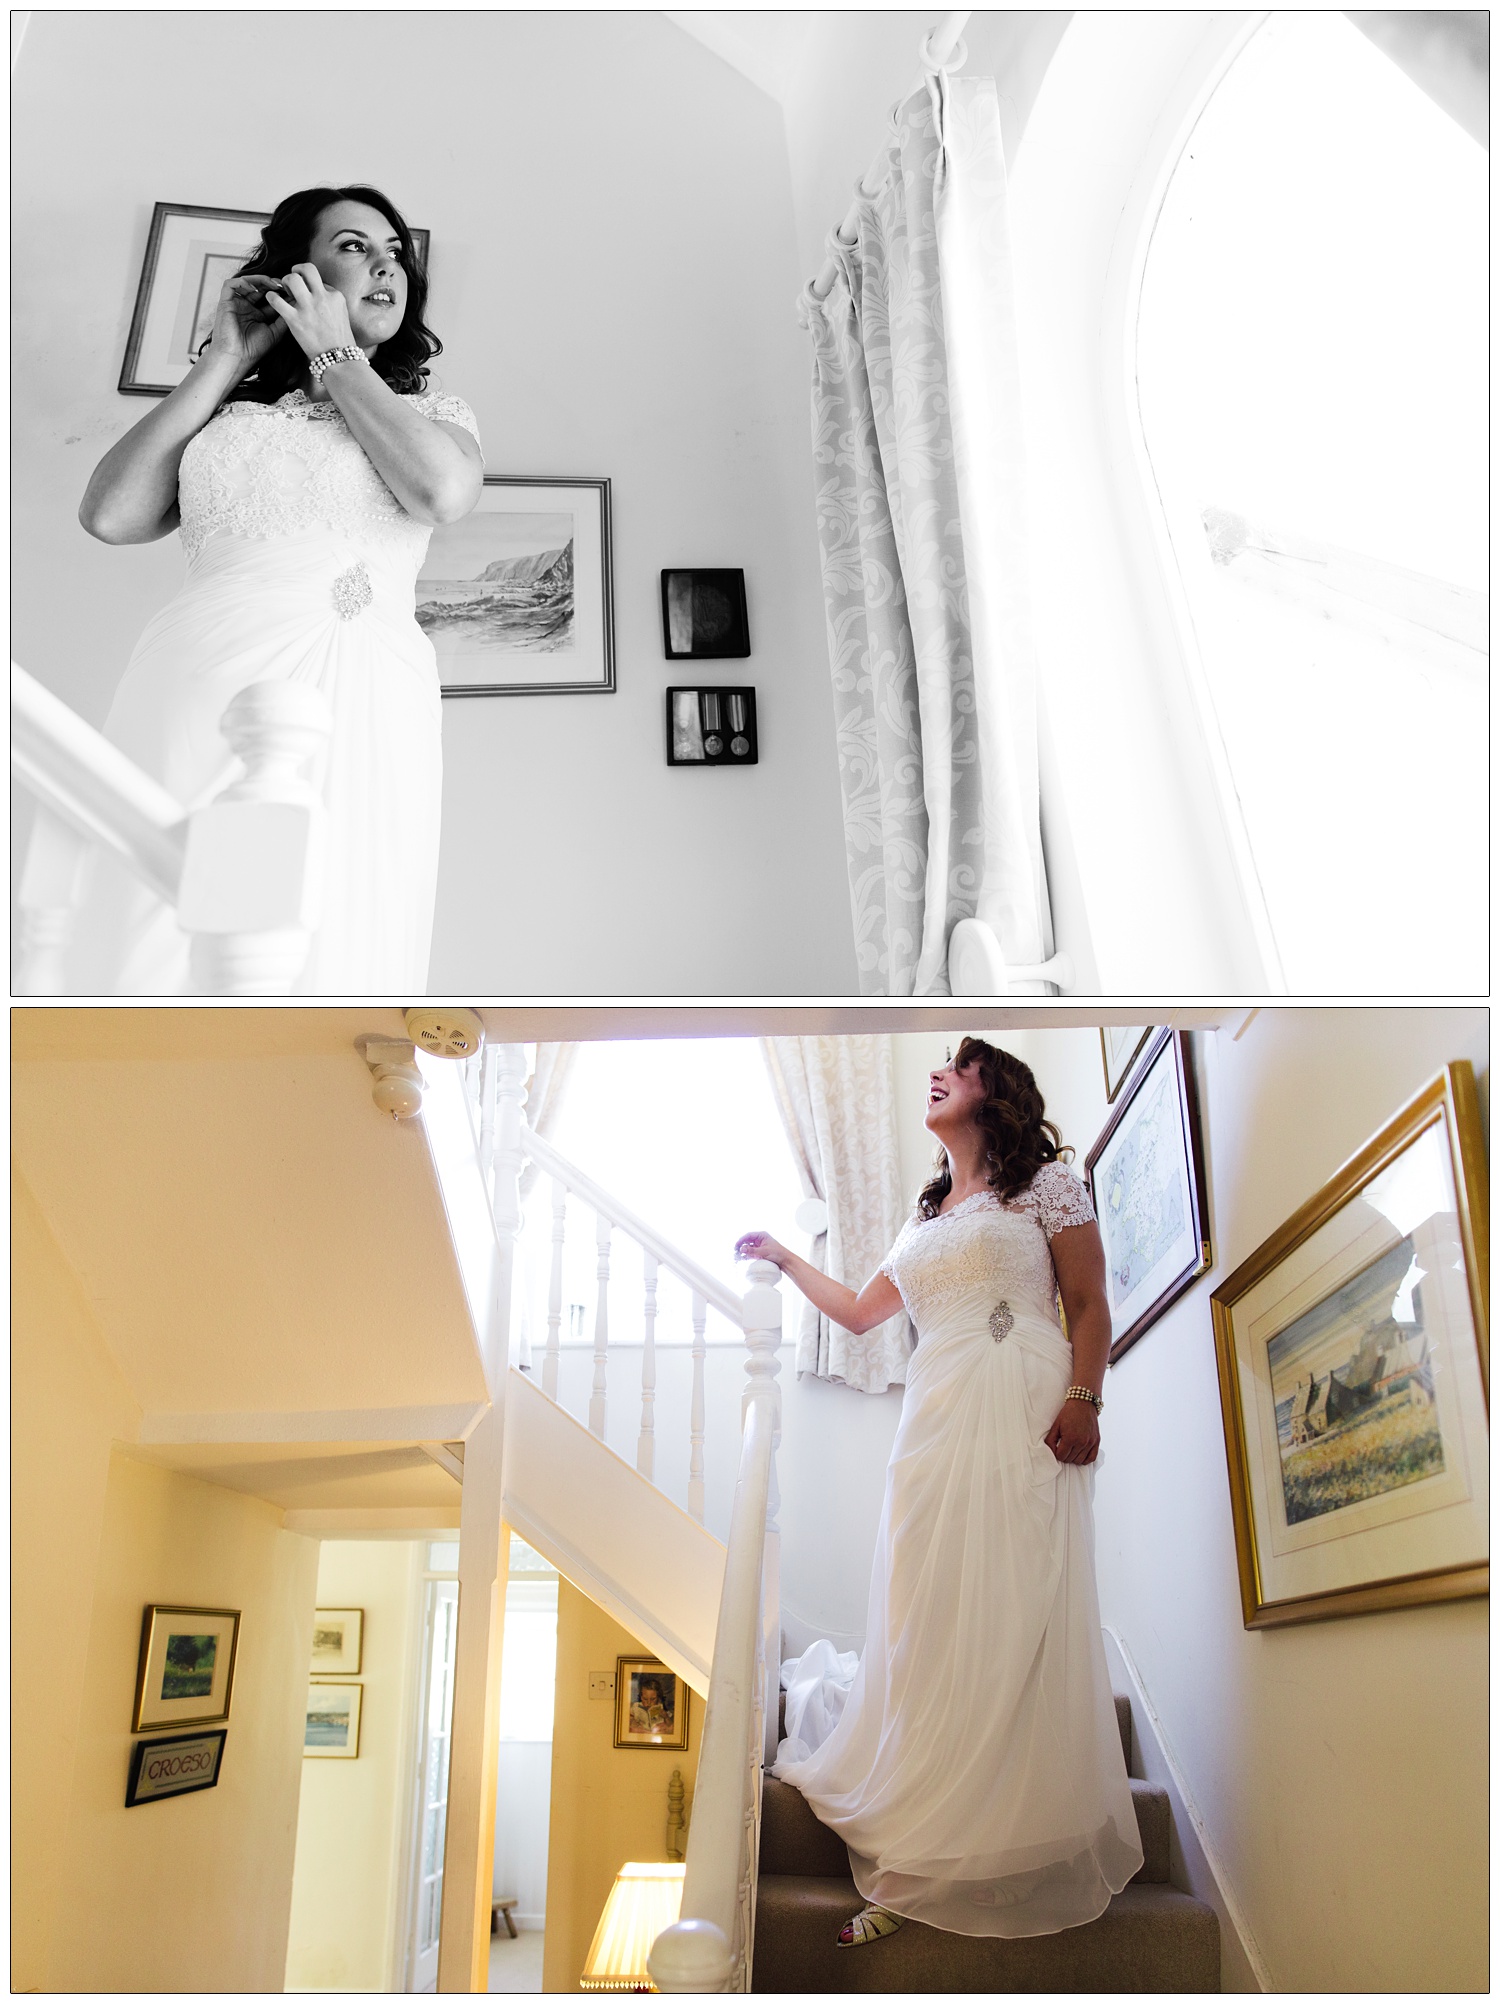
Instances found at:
x=1353 y=1357
x=331 y=1728
x=185 y=1674
x=337 y=1641
x=658 y=1725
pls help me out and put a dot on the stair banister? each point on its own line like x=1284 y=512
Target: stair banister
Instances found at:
x=243 y=871
x=709 y=1948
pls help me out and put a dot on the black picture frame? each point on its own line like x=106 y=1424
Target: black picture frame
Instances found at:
x=171 y=263
x=707 y=611
x=701 y=729
x=1163 y=1071
x=202 y=1752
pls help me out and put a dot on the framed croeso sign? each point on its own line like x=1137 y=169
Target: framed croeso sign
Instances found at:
x=174 y=1764
x=1145 y=1175
x=518 y=598
x=1353 y=1375
x=185 y=1676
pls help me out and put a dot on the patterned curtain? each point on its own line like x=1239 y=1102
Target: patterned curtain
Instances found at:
x=916 y=437
x=837 y=1097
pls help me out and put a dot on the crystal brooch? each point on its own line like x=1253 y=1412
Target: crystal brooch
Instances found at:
x=352 y=591
x=1001 y=1322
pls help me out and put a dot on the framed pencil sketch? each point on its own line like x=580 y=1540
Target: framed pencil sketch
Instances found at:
x=518 y=598
x=1353 y=1352
x=332 y=1729
x=190 y=252
x=185 y=1675
x=651 y=1705
x=174 y=1764
x=1145 y=1175
x=338 y=1639
x=1122 y=1044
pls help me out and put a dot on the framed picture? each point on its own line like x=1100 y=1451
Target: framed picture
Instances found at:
x=190 y=252
x=338 y=1638
x=177 y=1764
x=651 y=1705
x=186 y=1671
x=332 y=1730
x=1353 y=1373
x=711 y=727
x=518 y=598
x=703 y=616
x=1122 y=1044
x=1145 y=1175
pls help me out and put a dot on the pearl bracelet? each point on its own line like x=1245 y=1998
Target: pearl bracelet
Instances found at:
x=329 y=356
x=1083 y=1392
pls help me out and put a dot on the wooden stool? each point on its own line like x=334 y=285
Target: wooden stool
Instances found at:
x=501 y=1909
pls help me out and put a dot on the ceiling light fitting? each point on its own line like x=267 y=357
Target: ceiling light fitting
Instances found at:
x=398 y=1082
x=445 y=1033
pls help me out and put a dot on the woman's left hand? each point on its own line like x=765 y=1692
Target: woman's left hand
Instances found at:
x=1074 y=1434
x=318 y=318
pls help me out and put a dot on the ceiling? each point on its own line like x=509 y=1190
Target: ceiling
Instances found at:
x=767 y=47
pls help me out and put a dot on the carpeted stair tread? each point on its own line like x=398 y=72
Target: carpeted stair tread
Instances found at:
x=1122 y=1720
x=792 y=1840
x=1150 y=1937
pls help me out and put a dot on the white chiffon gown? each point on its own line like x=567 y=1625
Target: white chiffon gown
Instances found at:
x=971 y=1761
x=301 y=564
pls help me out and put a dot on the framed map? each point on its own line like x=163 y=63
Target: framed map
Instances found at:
x=1145 y=1175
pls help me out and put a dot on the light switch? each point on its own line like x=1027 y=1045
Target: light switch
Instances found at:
x=601 y=1683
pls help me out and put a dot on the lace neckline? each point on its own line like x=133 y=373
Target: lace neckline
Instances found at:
x=979 y=1197
x=297 y=403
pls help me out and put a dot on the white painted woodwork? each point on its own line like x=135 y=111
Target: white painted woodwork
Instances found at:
x=645 y=1452
x=382 y=1424
x=696 y=1416
x=443 y=1455
x=555 y=1288
x=977 y=964
x=599 y=1392
x=614 y=1534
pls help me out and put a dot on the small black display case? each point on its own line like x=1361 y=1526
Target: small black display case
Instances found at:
x=711 y=727
x=703 y=616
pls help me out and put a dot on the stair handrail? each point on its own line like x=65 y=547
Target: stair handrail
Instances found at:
x=710 y=1947
x=243 y=871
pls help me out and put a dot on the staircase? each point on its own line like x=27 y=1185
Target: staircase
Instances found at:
x=1150 y=1937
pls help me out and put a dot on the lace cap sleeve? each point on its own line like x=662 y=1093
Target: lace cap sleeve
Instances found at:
x=1060 y=1198
x=449 y=410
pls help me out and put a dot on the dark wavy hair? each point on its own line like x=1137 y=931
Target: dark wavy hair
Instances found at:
x=286 y=240
x=1018 y=1137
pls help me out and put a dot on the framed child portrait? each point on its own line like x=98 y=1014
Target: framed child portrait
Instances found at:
x=651 y=1705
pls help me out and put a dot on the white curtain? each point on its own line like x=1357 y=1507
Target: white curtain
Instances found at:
x=837 y=1097
x=916 y=436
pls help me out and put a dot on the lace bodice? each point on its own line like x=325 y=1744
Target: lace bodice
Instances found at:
x=997 y=1253
x=265 y=470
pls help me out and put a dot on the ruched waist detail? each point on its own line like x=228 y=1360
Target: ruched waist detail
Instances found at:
x=321 y=572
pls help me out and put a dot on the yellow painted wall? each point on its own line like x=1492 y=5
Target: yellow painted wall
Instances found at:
x=352 y=1819
x=609 y=1804
x=187 y=1894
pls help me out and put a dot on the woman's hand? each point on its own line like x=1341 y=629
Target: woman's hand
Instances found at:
x=760 y=1245
x=318 y=318
x=244 y=326
x=1074 y=1434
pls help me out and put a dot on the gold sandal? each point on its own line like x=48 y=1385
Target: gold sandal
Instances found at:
x=869 y=1924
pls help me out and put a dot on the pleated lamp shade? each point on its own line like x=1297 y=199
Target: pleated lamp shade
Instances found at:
x=643 y=1900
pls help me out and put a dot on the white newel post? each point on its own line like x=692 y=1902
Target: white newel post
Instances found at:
x=762 y=1367
x=645 y=1451
x=252 y=873
x=483 y=1563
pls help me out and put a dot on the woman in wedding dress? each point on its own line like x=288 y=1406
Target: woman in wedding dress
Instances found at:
x=306 y=464
x=972 y=1762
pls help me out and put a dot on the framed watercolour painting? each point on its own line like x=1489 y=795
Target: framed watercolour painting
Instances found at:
x=651 y=1705
x=185 y=1676
x=1145 y=1175
x=332 y=1729
x=176 y=1764
x=1353 y=1374
x=518 y=598
x=190 y=252
x=338 y=1637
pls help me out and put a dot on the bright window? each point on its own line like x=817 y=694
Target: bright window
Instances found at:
x=1312 y=381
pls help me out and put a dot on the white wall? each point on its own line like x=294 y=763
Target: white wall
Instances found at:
x=353 y=1815
x=614 y=275
x=1338 y=1767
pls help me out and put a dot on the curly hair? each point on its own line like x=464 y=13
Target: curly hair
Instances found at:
x=286 y=240
x=1012 y=1118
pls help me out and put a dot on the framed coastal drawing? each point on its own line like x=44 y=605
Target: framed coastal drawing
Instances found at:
x=1145 y=1175
x=1121 y=1044
x=1353 y=1357
x=338 y=1639
x=190 y=252
x=185 y=1675
x=332 y=1728
x=518 y=598
x=651 y=1705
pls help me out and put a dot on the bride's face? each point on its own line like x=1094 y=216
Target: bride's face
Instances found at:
x=358 y=253
x=953 y=1097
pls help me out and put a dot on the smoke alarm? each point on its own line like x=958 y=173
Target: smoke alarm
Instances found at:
x=445 y=1033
